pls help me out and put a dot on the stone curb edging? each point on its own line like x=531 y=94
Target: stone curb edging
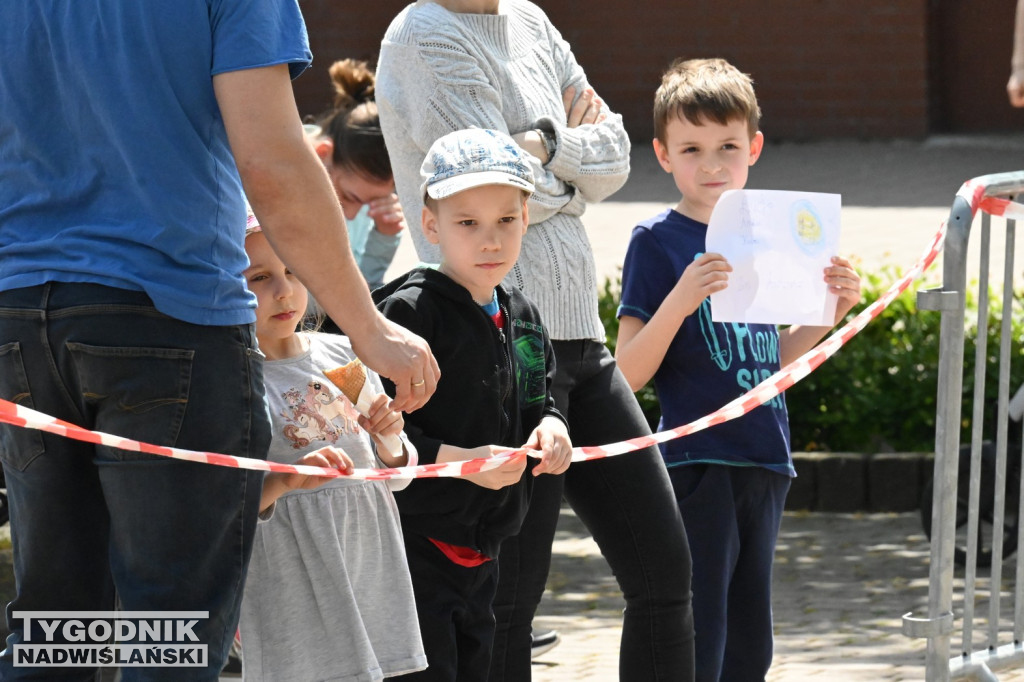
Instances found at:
x=854 y=481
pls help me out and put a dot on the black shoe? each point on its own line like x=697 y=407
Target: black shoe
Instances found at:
x=233 y=666
x=543 y=642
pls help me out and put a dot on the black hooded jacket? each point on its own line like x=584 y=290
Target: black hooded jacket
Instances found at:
x=494 y=389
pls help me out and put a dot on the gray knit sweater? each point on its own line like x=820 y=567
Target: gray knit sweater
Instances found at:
x=441 y=71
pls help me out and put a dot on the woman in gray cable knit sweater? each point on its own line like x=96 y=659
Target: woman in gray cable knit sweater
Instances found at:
x=452 y=64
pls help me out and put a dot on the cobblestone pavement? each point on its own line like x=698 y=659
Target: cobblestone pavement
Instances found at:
x=842 y=584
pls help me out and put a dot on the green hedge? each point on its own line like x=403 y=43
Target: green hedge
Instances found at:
x=878 y=392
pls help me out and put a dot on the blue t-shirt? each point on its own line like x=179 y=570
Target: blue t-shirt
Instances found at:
x=114 y=162
x=708 y=363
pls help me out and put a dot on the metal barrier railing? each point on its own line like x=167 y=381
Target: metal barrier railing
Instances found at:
x=1001 y=649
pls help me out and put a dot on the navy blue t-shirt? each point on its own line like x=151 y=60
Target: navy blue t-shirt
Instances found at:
x=708 y=363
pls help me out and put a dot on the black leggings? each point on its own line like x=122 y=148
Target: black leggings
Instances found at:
x=628 y=506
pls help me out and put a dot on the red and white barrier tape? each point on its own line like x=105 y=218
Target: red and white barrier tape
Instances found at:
x=17 y=415
x=974 y=193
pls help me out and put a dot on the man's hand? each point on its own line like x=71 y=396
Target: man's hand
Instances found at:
x=404 y=358
x=1015 y=89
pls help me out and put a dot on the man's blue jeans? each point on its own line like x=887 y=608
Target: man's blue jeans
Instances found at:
x=90 y=523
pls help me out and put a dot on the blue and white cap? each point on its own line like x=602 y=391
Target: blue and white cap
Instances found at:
x=473 y=157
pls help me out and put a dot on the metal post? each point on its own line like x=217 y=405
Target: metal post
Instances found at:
x=947 y=435
x=949 y=299
x=977 y=422
x=999 y=518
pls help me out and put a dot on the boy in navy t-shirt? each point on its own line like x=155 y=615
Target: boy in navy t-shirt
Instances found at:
x=730 y=481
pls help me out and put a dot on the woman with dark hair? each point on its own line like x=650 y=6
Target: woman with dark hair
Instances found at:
x=349 y=141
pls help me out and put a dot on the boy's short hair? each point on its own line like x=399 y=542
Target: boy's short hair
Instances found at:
x=471 y=158
x=702 y=90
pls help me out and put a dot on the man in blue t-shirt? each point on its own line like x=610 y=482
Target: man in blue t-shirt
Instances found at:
x=128 y=131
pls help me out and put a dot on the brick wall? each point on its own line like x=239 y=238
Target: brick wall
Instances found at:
x=970 y=51
x=822 y=68
x=339 y=29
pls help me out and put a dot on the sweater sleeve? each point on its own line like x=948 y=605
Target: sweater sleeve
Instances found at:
x=428 y=85
x=591 y=161
x=441 y=87
x=593 y=157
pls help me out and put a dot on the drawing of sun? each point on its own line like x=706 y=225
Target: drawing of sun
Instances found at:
x=806 y=227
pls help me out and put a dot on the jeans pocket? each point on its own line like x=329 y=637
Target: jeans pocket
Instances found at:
x=137 y=393
x=18 y=445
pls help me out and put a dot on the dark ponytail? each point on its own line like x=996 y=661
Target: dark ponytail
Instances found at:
x=353 y=125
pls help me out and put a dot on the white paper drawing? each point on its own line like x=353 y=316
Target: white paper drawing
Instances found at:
x=778 y=244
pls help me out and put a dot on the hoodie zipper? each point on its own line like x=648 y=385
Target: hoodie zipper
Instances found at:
x=507 y=388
